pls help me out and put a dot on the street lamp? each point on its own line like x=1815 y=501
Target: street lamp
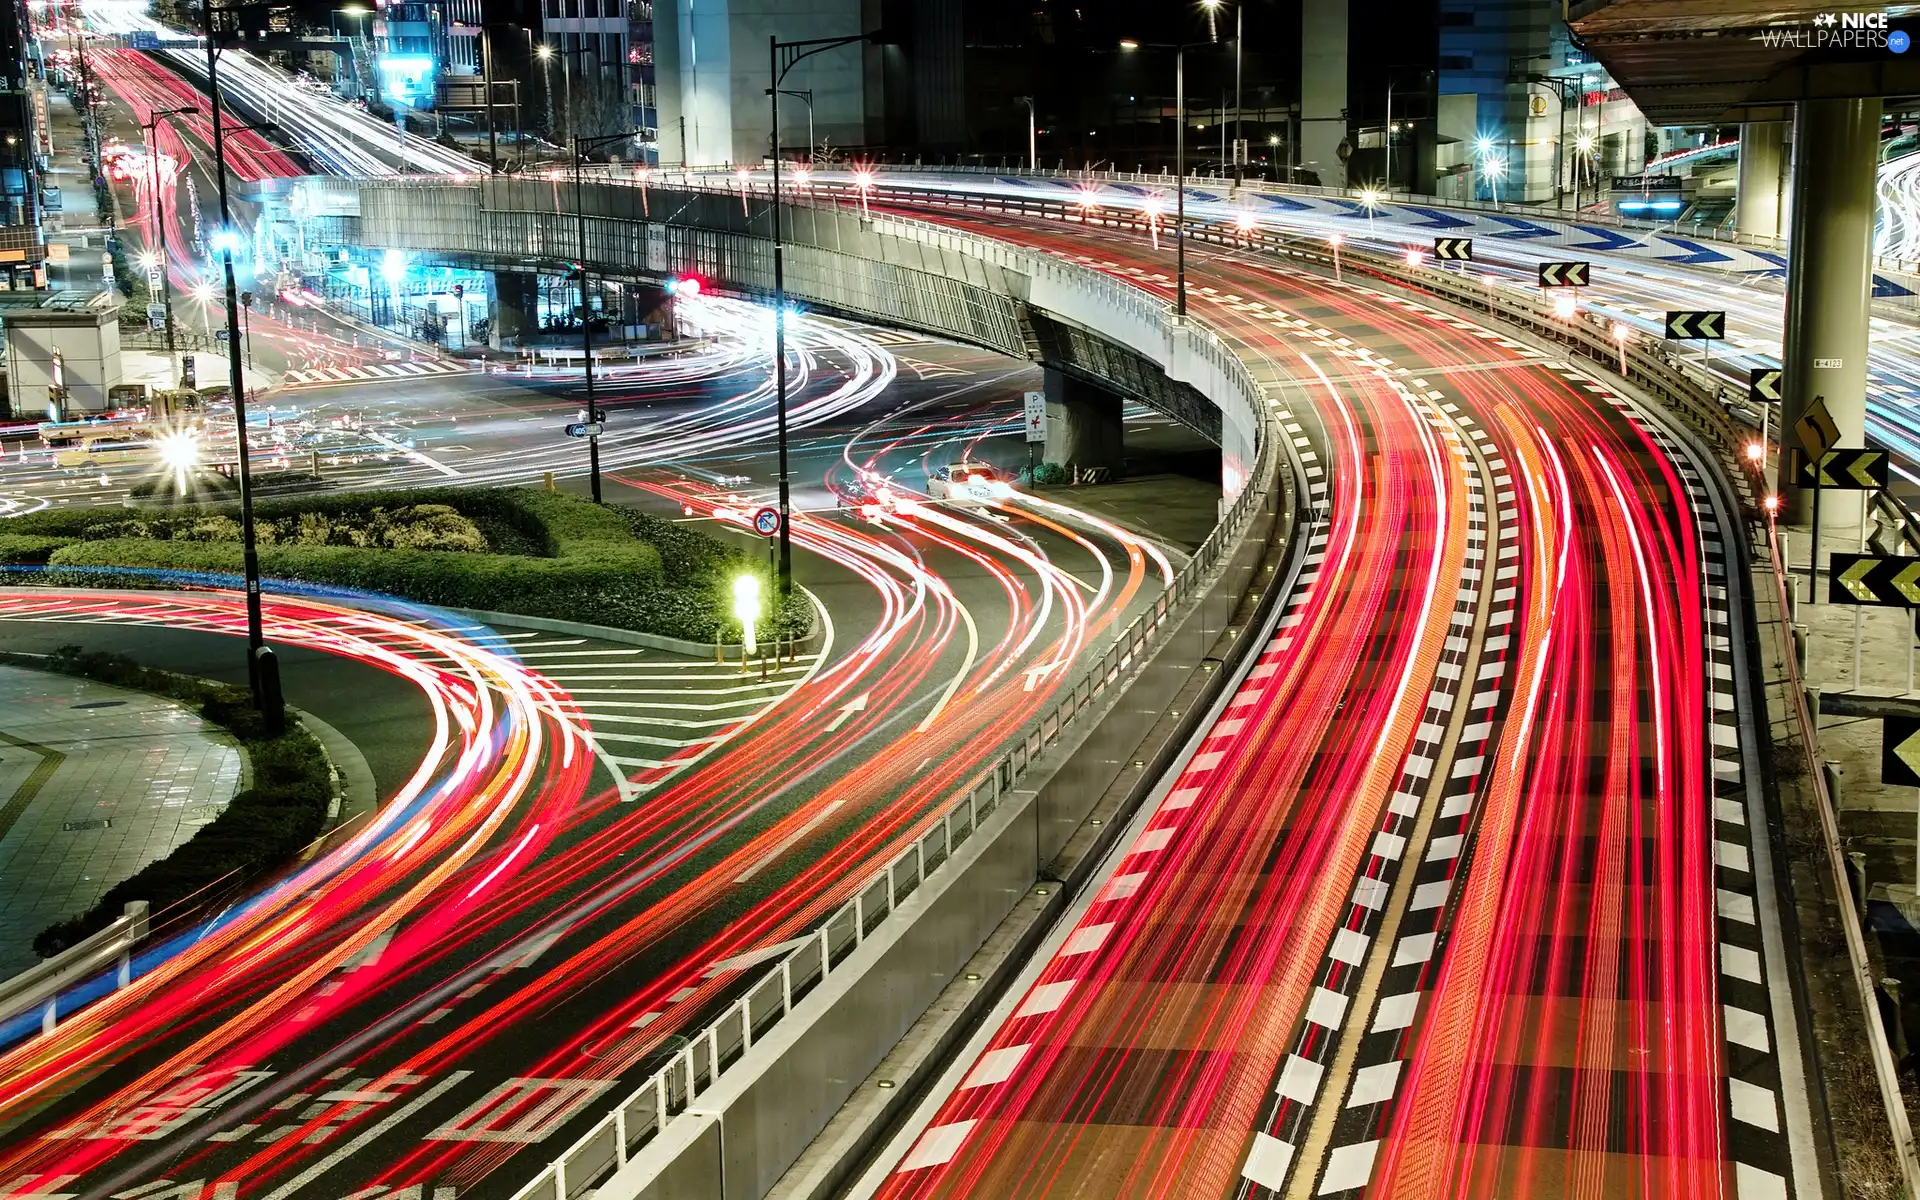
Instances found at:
x=1033 y=134
x=580 y=149
x=1239 y=18
x=566 y=57
x=781 y=58
x=151 y=126
x=1179 y=162
x=263 y=671
x=800 y=94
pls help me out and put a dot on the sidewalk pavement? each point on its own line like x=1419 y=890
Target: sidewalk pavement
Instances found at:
x=95 y=783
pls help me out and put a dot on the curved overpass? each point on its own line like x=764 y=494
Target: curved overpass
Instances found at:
x=884 y=269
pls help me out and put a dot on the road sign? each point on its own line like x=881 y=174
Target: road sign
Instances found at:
x=1763 y=385
x=766 y=521
x=1036 y=416
x=1692 y=325
x=585 y=429
x=1847 y=470
x=1453 y=249
x=221 y=335
x=1900 y=751
x=1564 y=274
x=1881 y=580
x=143 y=39
x=156 y=316
x=188 y=376
x=1816 y=429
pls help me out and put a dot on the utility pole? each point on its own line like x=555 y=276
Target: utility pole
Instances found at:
x=152 y=126
x=486 y=63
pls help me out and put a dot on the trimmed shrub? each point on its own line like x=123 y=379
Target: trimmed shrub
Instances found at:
x=507 y=550
x=261 y=827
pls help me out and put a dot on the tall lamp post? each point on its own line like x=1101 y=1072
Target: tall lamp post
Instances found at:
x=581 y=146
x=781 y=58
x=263 y=671
x=1179 y=162
x=151 y=126
x=566 y=56
x=1239 y=41
x=805 y=94
x=1033 y=134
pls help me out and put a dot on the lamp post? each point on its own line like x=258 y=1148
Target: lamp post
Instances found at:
x=360 y=12
x=263 y=672
x=1179 y=161
x=1239 y=27
x=580 y=148
x=151 y=126
x=566 y=56
x=781 y=58
x=1033 y=133
x=807 y=95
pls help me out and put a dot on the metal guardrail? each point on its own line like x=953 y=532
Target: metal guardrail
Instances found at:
x=694 y=1070
x=1886 y=1072
x=1907 y=270
x=40 y=985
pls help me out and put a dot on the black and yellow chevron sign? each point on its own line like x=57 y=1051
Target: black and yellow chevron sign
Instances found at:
x=1900 y=751
x=1692 y=325
x=1564 y=274
x=1847 y=470
x=1453 y=249
x=1879 y=580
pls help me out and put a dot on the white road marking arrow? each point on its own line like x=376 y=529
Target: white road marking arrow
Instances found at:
x=857 y=704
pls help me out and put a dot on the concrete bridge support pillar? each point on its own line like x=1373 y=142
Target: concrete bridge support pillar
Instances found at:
x=514 y=301
x=1084 y=427
x=1761 y=191
x=1830 y=280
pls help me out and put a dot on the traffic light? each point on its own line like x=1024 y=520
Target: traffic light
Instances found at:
x=684 y=285
x=459 y=290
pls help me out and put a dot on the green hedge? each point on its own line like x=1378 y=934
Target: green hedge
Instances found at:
x=261 y=827
x=550 y=555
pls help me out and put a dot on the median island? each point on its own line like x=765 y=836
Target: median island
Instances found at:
x=518 y=551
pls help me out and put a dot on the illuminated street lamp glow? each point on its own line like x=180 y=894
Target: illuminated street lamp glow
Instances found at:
x=149 y=260
x=393 y=268
x=1772 y=504
x=1369 y=197
x=1129 y=44
x=226 y=240
x=1620 y=332
x=203 y=292
x=1755 y=452
x=746 y=608
x=1334 y=239
x=1563 y=308
x=544 y=51
x=1413 y=258
x=1585 y=143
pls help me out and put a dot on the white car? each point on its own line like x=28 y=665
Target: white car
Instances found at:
x=976 y=482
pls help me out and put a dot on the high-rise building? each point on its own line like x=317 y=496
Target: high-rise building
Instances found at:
x=23 y=151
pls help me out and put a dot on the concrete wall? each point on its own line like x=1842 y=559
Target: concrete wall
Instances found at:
x=712 y=68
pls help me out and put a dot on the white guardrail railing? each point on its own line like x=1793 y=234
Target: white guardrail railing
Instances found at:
x=40 y=986
x=693 y=1070
x=1908 y=270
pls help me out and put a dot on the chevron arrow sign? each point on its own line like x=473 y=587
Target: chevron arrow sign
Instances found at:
x=1763 y=385
x=1453 y=249
x=1564 y=274
x=1693 y=325
x=1878 y=580
x=1900 y=751
x=1847 y=470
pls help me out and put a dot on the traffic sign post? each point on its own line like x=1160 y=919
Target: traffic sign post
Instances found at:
x=1900 y=751
x=1452 y=249
x=586 y=429
x=766 y=522
x=1847 y=470
x=1698 y=325
x=1763 y=388
x=1817 y=434
x=1036 y=426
